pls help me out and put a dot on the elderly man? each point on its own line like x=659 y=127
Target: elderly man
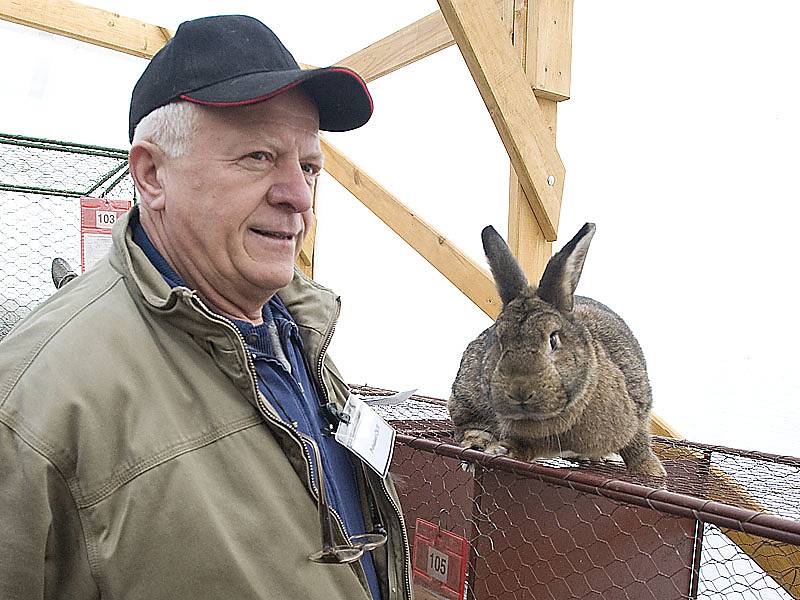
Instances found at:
x=164 y=417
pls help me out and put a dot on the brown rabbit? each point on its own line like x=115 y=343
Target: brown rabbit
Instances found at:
x=556 y=374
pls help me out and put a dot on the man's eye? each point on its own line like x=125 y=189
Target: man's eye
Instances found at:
x=310 y=169
x=259 y=156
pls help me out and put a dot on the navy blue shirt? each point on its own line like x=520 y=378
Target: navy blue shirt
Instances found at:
x=293 y=395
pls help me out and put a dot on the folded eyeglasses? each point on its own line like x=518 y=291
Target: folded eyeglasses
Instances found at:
x=332 y=553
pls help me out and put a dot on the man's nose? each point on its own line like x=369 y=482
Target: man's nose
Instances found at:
x=290 y=188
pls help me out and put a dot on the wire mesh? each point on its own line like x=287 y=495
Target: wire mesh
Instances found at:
x=724 y=523
x=41 y=182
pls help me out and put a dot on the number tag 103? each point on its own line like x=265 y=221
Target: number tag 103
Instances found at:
x=105 y=219
x=439 y=562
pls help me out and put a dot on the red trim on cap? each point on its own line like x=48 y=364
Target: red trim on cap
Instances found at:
x=281 y=90
x=243 y=102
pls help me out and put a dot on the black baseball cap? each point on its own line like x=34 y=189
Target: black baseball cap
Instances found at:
x=232 y=60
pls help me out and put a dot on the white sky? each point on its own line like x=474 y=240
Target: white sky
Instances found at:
x=679 y=142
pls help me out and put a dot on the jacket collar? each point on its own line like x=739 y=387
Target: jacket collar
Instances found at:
x=313 y=307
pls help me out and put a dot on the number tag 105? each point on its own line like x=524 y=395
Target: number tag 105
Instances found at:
x=437 y=564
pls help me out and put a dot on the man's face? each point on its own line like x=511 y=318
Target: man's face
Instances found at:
x=238 y=204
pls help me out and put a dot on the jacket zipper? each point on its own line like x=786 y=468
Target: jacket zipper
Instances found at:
x=406 y=546
x=263 y=407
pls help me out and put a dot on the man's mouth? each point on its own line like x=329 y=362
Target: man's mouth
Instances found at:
x=275 y=235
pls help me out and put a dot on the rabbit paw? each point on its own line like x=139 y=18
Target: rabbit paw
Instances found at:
x=477 y=439
x=498 y=449
x=614 y=457
x=649 y=467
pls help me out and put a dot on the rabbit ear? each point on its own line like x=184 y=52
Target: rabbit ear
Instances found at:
x=561 y=276
x=508 y=275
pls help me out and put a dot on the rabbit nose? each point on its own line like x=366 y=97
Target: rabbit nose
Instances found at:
x=522 y=396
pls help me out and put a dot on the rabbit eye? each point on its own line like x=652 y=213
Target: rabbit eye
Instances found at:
x=555 y=341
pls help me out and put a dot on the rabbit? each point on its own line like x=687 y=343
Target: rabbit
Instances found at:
x=556 y=374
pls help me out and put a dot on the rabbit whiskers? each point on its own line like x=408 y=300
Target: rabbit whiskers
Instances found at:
x=557 y=437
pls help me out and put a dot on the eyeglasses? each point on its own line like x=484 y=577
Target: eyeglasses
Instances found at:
x=332 y=553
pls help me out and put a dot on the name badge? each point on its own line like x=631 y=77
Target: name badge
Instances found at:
x=363 y=432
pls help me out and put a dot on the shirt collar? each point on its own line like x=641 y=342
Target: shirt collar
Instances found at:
x=159 y=262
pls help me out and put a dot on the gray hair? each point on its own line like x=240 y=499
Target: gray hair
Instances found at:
x=171 y=127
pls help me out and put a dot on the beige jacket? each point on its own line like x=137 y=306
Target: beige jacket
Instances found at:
x=139 y=461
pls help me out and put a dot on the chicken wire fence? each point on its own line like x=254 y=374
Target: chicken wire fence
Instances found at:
x=41 y=182
x=725 y=524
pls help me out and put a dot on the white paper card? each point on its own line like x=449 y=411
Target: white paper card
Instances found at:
x=95 y=247
x=366 y=434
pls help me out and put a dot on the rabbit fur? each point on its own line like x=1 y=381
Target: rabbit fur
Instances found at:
x=557 y=374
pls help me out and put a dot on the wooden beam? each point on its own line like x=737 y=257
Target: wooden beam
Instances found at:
x=505 y=89
x=305 y=261
x=410 y=44
x=87 y=24
x=458 y=268
x=659 y=426
x=414 y=42
x=525 y=237
x=549 y=48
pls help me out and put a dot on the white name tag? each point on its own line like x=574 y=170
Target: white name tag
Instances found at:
x=366 y=434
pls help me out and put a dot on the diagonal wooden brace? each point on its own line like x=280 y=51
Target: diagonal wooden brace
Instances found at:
x=423 y=37
x=506 y=91
x=87 y=24
x=410 y=44
x=473 y=281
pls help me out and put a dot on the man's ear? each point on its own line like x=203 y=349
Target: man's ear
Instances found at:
x=146 y=162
